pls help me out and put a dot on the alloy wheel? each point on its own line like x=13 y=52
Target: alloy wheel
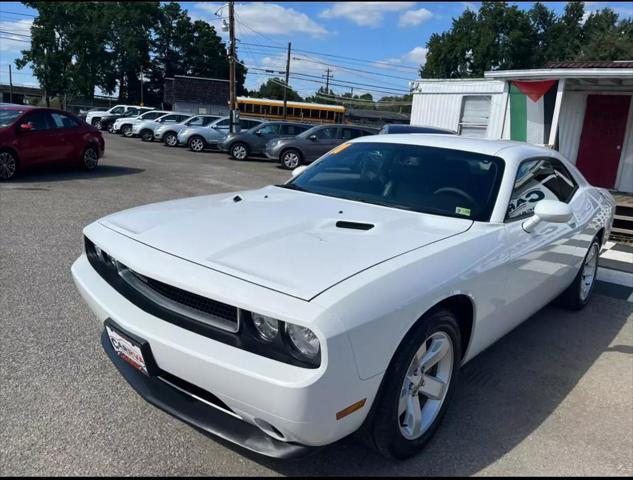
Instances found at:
x=8 y=165
x=126 y=130
x=196 y=144
x=91 y=159
x=291 y=160
x=171 y=140
x=425 y=385
x=238 y=151
x=589 y=270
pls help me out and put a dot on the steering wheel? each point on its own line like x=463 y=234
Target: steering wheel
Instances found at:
x=455 y=191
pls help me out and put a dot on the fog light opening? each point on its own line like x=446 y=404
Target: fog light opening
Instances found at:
x=269 y=429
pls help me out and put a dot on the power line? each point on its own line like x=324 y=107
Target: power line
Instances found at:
x=20 y=14
x=14 y=33
x=14 y=39
x=349 y=68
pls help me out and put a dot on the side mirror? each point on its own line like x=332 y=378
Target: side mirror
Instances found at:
x=298 y=170
x=551 y=211
x=26 y=127
x=258 y=133
x=313 y=138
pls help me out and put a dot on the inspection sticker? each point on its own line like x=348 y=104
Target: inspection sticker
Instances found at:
x=462 y=211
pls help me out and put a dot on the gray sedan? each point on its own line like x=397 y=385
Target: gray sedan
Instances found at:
x=252 y=143
x=311 y=144
x=199 y=138
x=169 y=133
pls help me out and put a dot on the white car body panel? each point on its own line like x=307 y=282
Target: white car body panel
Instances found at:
x=278 y=252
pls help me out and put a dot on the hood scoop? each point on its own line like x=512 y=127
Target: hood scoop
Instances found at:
x=354 y=225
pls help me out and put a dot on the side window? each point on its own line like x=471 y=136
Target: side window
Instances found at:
x=132 y=111
x=223 y=123
x=63 y=121
x=328 y=133
x=268 y=130
x=207 y=120
x=182 y=117
x=536 y=180
x=118 y=110
x=195 y=122
x=39 y=121
x=152 y=115
x=170 y=118
x=247 y=124
x=292 y=130
x=349 y=133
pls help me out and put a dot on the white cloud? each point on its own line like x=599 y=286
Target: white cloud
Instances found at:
x=416 y=56
x=412 y=18
x=265 y=18
x=365 y=14
x=15 y=43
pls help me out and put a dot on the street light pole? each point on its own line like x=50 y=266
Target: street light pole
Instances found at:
x=232 y=99
x=10 y=85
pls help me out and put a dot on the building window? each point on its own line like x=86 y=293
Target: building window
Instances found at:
x=475 y=115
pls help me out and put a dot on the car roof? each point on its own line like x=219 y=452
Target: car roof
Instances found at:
x=510 y=151
x=14 y=106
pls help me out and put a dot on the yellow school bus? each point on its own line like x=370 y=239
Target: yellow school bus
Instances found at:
x=298 y=111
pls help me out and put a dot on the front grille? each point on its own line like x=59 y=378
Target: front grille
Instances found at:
x=191 y=300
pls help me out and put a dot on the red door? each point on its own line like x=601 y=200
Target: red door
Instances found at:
x=602 y=138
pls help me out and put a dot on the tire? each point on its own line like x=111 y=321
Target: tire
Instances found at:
x=147 y=135
x=196 y=143
x=578 y=294
x=90 y=158
x=290 y=158
x=395 y=435
x=126 y=130
x=111 y=128
x=239 y=151
x=8 y=165
x=96 y=123
x=170 y=139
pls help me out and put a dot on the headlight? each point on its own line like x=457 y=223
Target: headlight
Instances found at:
x=266 y=327
x=304 y=340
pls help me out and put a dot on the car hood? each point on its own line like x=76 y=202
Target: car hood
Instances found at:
x=281 y=239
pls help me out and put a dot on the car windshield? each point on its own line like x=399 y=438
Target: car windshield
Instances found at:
x=439 y=181
x=7 y=117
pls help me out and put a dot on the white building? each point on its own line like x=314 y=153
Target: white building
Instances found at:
x=583 y=109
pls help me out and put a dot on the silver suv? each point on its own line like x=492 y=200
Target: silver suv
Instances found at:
x=199 y=138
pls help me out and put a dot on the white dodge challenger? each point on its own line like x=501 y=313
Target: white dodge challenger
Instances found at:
x=286 y=318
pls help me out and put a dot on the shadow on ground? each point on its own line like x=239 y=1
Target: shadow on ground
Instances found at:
x=503 y=395
x=59 y=174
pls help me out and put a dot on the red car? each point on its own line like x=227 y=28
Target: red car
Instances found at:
x=34 y=136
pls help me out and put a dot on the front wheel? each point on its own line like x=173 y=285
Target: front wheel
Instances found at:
x=239 y=151
x=196 y=144
x=147 y=135
x=418 y=387
x=126 y=130
x=290 y=159
x=578 y=293
x=111 y=128
x=90 y=158
x=8 y=165
x=97 y=123
x=170 y=139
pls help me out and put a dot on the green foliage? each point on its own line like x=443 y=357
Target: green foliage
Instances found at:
x=274 y=90
x=78 y=46
x=501 y=36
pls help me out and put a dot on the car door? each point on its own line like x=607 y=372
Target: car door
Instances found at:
x=38 y=144
x=68 y=135
x=544 y=262
x=321 y=141
x=266 y=132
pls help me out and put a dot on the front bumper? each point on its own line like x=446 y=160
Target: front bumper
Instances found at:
x=300 y=403
x=201 y=414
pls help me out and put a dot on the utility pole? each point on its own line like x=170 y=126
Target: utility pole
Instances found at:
x=10 y=86
x=328 y=77
x=141 y=87
x=287 y=80
x=232 y=99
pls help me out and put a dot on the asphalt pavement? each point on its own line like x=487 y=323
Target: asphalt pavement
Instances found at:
x=553 y=397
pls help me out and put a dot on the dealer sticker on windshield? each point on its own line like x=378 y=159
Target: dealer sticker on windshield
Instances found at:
x=462 y=211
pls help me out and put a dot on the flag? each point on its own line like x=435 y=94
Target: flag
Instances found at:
x=531 y=110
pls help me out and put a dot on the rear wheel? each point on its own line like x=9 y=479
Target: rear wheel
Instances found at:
x=8 y=165
x=417 y=387
x=239 y=151
x=579 y=292
x=111 y=128
x=147 y=135
x=170 y=139
x=90 y=158
x=290 y=159
x=196 y=144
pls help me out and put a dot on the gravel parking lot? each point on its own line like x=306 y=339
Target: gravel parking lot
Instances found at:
x=553 y=397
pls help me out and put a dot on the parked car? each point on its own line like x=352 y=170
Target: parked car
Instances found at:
x=169 y=133
x=124 y=126
x=311 y=144
x=33 y=136
x=94 y=117
x=82 y=112
x=348 y=298
x=108 y=123
x=199 y=138
x=403 y=128
x=145 y=129
x=253 y=142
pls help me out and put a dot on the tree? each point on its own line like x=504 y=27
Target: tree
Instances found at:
x=606 y=38
x=274 y=89
x=322 y=96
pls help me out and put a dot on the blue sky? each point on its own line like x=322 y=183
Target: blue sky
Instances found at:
x=394 y=34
